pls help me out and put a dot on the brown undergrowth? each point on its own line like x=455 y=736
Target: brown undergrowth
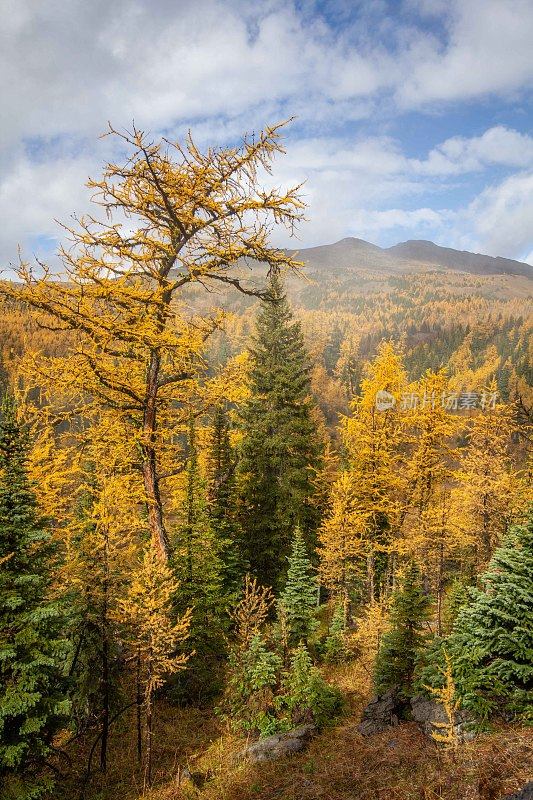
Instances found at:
x=400 y=764
x=179 y=734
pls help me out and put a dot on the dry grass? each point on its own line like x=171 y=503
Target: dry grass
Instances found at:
x=179 y=734
x=401 y=764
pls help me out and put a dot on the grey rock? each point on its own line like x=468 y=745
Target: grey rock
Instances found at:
x=279 y=745
x=430 y=715
x=185 y=779
x=382 y=712
x=387 y=710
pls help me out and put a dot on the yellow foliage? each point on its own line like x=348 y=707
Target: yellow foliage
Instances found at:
x=489 y=491
x=147 y=608
x=341 y=539
x=446 y=732
x=251 y=611
x=135 y=348
x=365 y=641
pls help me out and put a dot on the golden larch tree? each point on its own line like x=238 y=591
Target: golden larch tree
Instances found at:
x=173 y=217
x=155 y=635
x=373 y=435
x=489 y=491
x=342 y=542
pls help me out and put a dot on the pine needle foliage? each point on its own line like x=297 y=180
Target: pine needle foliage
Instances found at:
x=33 y=648
x=491 y=644
x=299 y=596
x=396 y=660
x=306 y=696
x=280 y=448
x=445 y=733
x=335 y=643
x=253 y=669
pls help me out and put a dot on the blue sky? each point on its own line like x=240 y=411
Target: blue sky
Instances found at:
x=413 y=117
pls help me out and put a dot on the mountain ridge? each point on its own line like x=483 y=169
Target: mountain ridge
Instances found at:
x=413 y=254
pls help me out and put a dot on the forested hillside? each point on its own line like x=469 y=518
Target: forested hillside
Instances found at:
x=240 y=496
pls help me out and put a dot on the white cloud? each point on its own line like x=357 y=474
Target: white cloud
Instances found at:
x=68 y=67
x=501 y=216
x=487 y=51
x=372 y=222
x=352 y=187
x=225 y=66
x=497 y=146
x=33 y=195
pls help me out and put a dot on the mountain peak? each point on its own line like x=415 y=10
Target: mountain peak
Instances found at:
x=352 y=253
x=423 y=251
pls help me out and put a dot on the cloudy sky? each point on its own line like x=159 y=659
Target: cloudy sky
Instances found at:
x=413 y=117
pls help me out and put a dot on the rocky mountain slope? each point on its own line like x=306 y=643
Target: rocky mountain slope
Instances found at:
x=410 y=256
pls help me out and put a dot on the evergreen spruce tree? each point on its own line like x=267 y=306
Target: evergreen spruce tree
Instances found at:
x=33 y=651
x=221 y=467
x=396 y=659
x=305 y=694
x=222 y=503
x=280 y=447
x=335 y=644
x=491 y=645
x=198 y=567
x=298 y=599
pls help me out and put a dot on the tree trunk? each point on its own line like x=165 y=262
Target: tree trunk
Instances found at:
x=148 y=749
x=105 y=666
x=105 y=703
x=346 y=608
x=440 y=588
x=370 y=576
x=156 y=521
x=139 y=702
x=486 y=532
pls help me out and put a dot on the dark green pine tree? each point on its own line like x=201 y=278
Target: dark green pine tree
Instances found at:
x=298 y=598
x=280 y=446
x=33 y=652
x=222 y=502
x=491 y=645
x=197 y=563
x=397 y=655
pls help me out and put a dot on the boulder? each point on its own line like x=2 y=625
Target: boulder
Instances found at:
x=524 y=794
x=429 y=714
x=185 y=778
x=382 y=712
x=387 y=710
x=279 y=745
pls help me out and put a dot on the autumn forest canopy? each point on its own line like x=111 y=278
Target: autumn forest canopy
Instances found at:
x=241 y=494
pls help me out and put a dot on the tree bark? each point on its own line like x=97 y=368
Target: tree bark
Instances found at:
x=149 y=733
x=370 y=574
x=106 y=689
x=156 y=521
x=440 y=588
x=139 y=702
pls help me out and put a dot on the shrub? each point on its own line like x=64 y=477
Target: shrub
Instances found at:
x=307 y=697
